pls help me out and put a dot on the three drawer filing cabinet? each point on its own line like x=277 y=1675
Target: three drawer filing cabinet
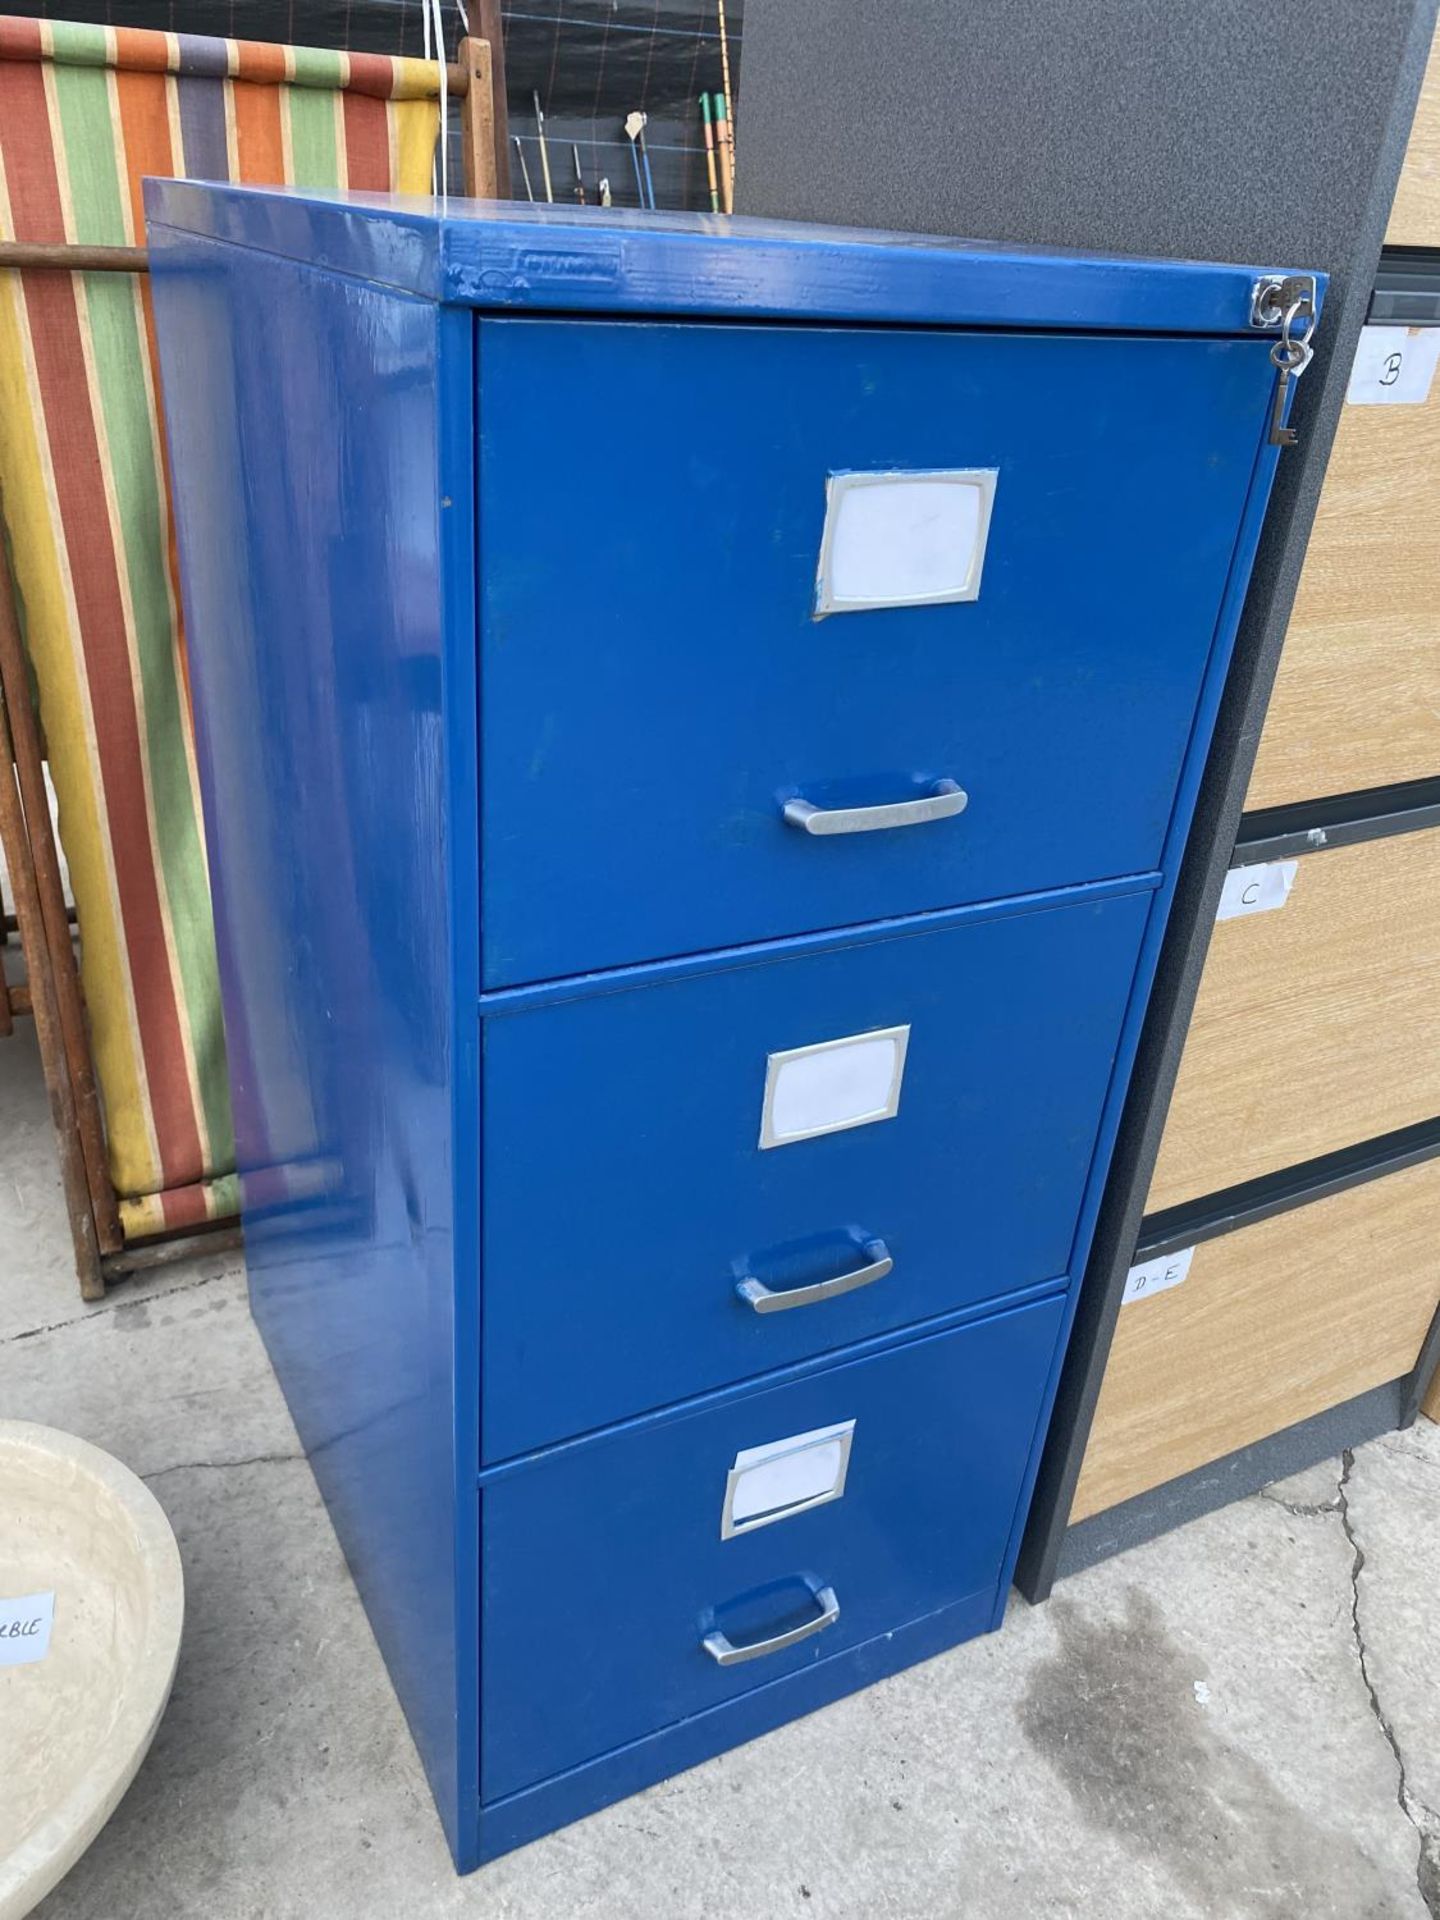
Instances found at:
x=698 y=722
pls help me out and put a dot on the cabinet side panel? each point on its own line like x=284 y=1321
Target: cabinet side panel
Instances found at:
x=306 y=448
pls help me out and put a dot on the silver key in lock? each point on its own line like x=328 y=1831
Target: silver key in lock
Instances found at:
x=1291 y=357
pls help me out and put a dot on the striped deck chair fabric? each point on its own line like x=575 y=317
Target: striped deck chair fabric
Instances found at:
x=85 y=113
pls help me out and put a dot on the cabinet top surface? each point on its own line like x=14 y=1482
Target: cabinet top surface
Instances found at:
x=513 y=256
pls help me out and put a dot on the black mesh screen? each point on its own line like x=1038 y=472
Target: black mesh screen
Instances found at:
x=592 y=62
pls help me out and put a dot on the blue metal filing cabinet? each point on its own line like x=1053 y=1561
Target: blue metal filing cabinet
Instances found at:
x=698 y=724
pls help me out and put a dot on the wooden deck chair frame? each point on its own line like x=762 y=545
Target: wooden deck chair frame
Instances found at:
x=50 y=992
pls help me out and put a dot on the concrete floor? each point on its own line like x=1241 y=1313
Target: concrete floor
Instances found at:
x=1239 y=1719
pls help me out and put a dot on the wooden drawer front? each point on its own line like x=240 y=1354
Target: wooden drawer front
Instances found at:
x=651 y=703
x=1357 y=698
x=1317 y=1025
x=604 y=1565
x=1415 y=213
x=628 y=1195
x=1274 y=1323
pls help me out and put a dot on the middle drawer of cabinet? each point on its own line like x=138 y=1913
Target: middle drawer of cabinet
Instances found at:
x=698 y=1176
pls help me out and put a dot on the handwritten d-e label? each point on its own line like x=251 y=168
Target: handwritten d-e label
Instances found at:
x=1155 y=1276
x=25 y=1629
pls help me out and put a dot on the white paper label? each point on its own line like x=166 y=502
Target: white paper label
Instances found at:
x=768 y=1482
x=1393 y=366
x=1154 y=1276
x=837 y=1084
x=903 y=539
x=1257 y=889
x=25 y=1629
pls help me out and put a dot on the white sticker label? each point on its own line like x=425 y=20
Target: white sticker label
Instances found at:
x=833 y=1085
x=1256 y=889
x=1393 y=366
x=25 y=1629
x=903 y=539
x=782 y=1477
x=1154 y=1276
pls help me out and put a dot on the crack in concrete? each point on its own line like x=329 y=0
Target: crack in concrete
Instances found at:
x=1394 y=1443
x=1422 y=1818
x=1321 y=1510
x=196 y=1466
x=101 y=1309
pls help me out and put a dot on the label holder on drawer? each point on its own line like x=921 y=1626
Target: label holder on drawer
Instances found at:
x=903 y=538
x=833 y=1085
x=785 y=1477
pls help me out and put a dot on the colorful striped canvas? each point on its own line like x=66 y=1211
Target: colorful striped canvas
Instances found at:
x=85 y=113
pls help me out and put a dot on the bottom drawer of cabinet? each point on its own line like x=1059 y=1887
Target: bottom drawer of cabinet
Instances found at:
x=1273 y=1324
x=650 y=1574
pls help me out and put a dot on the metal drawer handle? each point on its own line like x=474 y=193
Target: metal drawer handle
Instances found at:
x=943 y=801
x=725 y=1653
x=765 y=1300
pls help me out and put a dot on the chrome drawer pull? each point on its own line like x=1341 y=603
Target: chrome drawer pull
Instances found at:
x=765 y=1300
x=726 y=1654
x=943 y=801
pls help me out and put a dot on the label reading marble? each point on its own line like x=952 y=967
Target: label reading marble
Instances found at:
x=25 y=1629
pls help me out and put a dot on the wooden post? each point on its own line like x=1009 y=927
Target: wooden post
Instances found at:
x=8 y=1009
x=477 y=121
x=144 y=1256
x=493 y=34
x=44 y=867
x=47 y=1016
x=67 y=259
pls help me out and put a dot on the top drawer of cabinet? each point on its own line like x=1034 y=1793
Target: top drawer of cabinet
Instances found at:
x=1357 y=696
x=792 y=627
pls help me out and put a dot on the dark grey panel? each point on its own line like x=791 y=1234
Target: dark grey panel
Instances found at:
x=1269 y=1194
x=1224 y=130
x=1407 y=288
x=1422 y=1374
x=1340 y=820
x=1271 y=134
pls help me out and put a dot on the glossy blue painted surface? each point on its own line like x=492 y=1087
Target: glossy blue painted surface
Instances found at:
x=650 y=705
x=322 y=396
x=642 y=1109
x=576 y=1662
x=570 y=1796
x=505 y=255
x=323 y=658
x=451 y=1373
